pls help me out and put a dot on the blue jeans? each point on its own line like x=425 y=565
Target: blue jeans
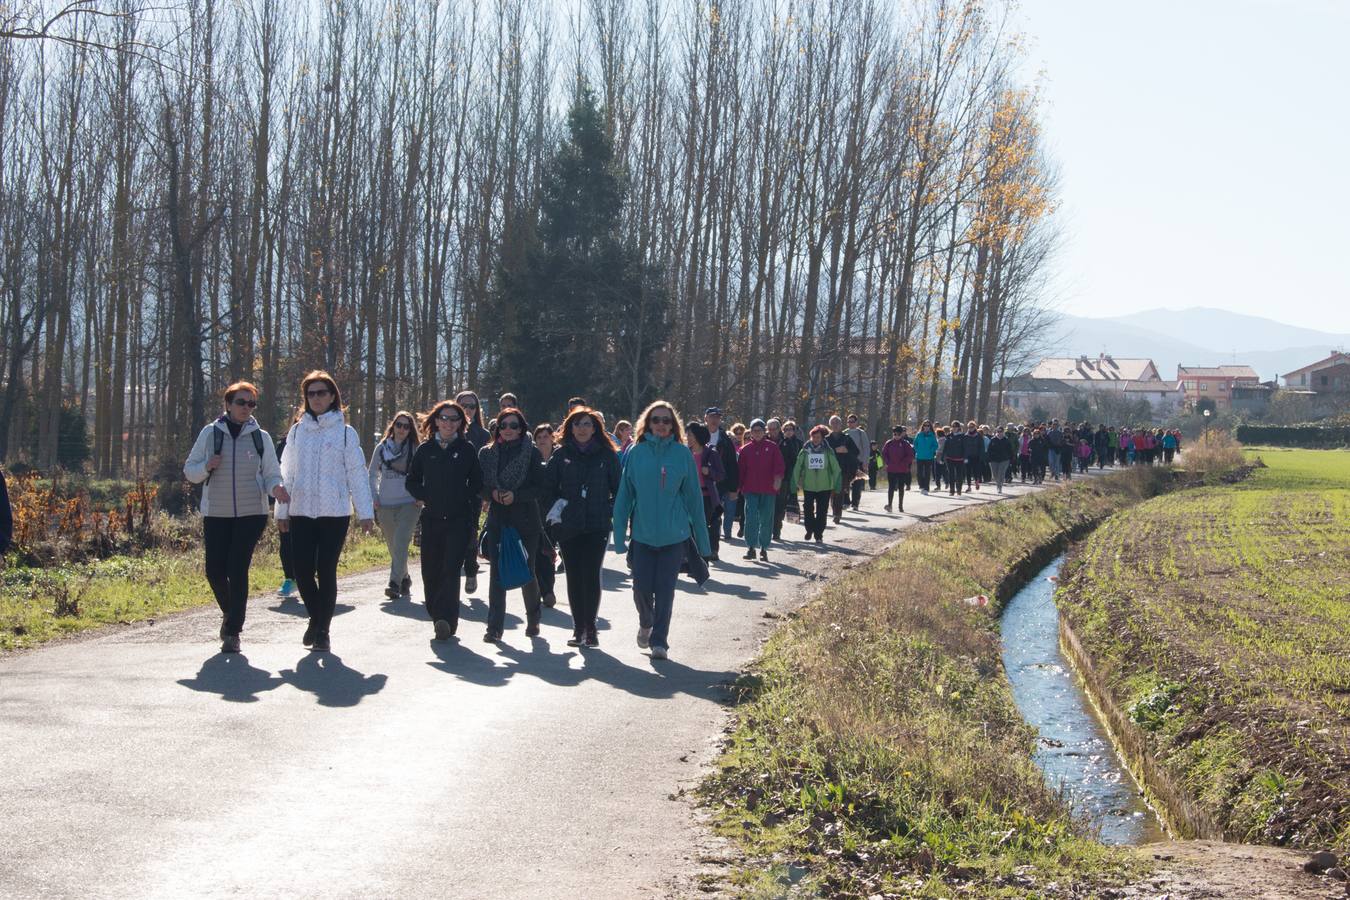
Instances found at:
x=728 y=515
x=758 y=519
x=654 y=572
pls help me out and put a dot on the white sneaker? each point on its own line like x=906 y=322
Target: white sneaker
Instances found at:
x=470 y=584
x=644 y=637
x=658 y=653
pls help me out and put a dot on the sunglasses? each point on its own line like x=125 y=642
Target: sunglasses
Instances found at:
x=508 y=426
x=661 y=420
x=448 y=417
x=240 y=401
x=469 y=405
x=404 y=425
x=318 y=392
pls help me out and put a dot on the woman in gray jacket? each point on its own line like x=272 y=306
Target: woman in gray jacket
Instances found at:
x=238 y=463
x=396 y=511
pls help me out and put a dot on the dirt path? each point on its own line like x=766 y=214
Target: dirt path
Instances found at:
x=1201 y=870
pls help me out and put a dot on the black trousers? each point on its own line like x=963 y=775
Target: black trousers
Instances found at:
x=471 y=547
x=896 y=482
x=855 y=492
x=287 y=570
x=443 y=546
x=814 y=510
x=497 y=593
x=316 y=547
x=956 y=475
x=925 y=471
x=584 y=558
x=780 y=506
x=845 y=489
x=712 y=514
x=229 y=547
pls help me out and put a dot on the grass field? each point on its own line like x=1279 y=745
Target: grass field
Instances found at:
x=877 y=745
x=38 y=604
x=1220 y=618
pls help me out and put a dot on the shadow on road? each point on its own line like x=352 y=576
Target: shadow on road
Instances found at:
x=232 y=677
x=330 y=681
x=291 y=606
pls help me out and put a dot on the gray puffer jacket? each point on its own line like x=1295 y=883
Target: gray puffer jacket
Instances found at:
x=242 y=482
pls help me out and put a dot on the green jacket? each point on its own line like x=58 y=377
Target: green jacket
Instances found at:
x=805 y=478
x=659 y=494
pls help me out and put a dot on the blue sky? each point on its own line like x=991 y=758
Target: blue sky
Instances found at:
x=1204 y=148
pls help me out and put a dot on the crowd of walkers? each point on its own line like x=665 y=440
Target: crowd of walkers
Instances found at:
x=538 y=501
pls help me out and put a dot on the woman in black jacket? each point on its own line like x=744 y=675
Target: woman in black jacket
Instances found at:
x=1040 y=455
x=477 y=435
x=1000 y=454
x=444 y=478
x=582 y=480
x=513 y=482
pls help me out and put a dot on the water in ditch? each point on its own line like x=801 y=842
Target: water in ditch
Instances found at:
x=1074 y=750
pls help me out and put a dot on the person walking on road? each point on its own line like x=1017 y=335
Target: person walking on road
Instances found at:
x=864 y=445
x=850 y=458
x=583 y=476
x=709 y=474
x=659 y=501
x=762 y=470
x=545 y=566
x=476 y=433
x=1000 y=455
x=728 y=488
x=925 y=452
x=789 y=445
x=445 y=480
x=513 y=482
x=898 y=456
x=325 y=472
x=238 y=463
x=396 y=511
x=819 y=476
x=954 y=450
x=287 y=589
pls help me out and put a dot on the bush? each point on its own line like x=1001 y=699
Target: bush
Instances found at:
x=1307 y=437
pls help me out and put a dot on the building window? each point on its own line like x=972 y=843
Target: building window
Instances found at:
x=1324 y=381
x=1204 y=385
x=1303 y=379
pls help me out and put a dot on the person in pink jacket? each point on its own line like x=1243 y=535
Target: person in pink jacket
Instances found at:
x=761 y=470
x=898 y=455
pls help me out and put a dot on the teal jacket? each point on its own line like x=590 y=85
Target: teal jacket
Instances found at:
x=659 y=494
x=925 y=445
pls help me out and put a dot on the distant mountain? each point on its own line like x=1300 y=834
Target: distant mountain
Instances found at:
x=1197 y=337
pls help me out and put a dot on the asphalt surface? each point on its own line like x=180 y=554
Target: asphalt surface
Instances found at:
x=144 y=763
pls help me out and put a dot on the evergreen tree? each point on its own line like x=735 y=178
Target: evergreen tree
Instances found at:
x=577 y=311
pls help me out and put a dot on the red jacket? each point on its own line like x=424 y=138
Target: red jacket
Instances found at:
x=898 y=454
x=760 y=463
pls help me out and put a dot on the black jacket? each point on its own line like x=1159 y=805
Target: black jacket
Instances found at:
x=974 y=447
x=477 y=435
x=448 y=480
x=523 y=513
x=726 y=452
x=790 y=447
x=570 y=473
x=955 y=448
x=1040 y=450
x=1000 y=449
x=6 y=516
x=850 y=458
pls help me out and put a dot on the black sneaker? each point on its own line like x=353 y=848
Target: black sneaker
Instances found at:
x=532 y=628
x=592 y=639
x=407 y=586
x=443 y=630
x=229 y=644
x=764 y=555
x=549 y=600
x=749 y=554
x=308 y=639
x=491 y=637
x=576 y=640
x=322 y=644
x=393 y=591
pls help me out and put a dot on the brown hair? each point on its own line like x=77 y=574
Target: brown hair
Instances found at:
x=236 y=388
x=644 y=426
x=581 y=412
x=311 y=378
x=497 y=423
x=412 y=430
x=429 y=419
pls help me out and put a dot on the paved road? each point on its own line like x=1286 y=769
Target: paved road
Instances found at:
x=143 y=763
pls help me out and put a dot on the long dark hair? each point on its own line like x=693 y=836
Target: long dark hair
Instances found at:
x=509 y=411
x=477 y=411
x=429 y=419
x=412 y=430
x=313 y=378
x=581 y=412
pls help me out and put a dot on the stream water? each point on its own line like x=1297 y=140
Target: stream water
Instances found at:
x=1074 y=750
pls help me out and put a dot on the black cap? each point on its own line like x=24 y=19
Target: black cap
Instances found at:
x=713 y=411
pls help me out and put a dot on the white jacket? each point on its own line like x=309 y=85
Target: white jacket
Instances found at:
x=324 y=470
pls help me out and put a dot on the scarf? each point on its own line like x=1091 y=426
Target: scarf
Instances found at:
x=512 y=473
x=395 y=461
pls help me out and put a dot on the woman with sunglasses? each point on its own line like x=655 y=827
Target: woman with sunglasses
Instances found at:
x=238 y=462
x=545 y=571
x=395 y=510
x=325 y=472
x=513 y=482
x=659 y=498
x=475 y=433
x=583 y=475
x=445 y=480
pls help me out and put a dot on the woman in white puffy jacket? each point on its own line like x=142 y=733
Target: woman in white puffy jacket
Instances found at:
x=325 y=472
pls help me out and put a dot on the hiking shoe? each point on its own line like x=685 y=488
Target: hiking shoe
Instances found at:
x=443 y=630
x=491 y=636
x=644 y=637
x=888 y=507
x=575 y=640
x=764 y=555
x=470 y=584
x=308 y=639
x=393 y=591
x=820 y=539
x=287 y=588
x=230 y=644
x=532 y=628
x=322 y=644
x=549 y=600
x=749 y=554
x=407 y=586
x=592 y=639
x=659 y=653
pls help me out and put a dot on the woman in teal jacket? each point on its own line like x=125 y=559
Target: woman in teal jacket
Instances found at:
x=925 y=451
x=660 y=497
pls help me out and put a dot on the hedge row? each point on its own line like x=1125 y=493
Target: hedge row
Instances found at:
x=1311 y=437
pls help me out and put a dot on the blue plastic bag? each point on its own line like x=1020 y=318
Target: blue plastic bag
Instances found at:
x=513 y=567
